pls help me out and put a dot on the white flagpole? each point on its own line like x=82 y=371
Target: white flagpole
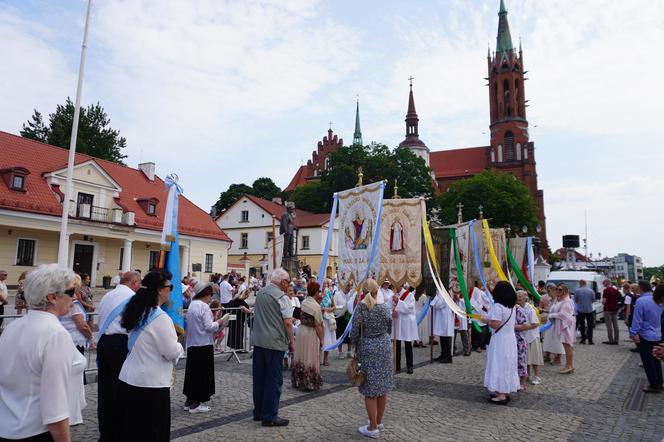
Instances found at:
x=63 y=246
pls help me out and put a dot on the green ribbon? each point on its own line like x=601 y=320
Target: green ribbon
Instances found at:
x=462 y=279
x=519 y=274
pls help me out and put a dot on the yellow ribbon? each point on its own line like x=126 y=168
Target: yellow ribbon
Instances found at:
x=427 y=237
x=492 y=252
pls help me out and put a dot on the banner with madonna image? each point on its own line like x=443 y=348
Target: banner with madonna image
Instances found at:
x=462 y=232
x=359 y=225
x=401 y=242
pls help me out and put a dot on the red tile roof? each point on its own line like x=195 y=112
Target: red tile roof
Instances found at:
x=302 y=217
x=300 y=177
x=41 y=159
x=458 y=162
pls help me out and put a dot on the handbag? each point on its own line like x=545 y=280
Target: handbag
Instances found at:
x=354 y=371
x=331 y=321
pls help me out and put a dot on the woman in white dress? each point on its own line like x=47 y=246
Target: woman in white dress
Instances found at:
x=329 y=321
x=501 y=375
x=552 y=345
x=424 y=327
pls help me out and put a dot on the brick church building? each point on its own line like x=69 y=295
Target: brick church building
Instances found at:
x=510 y=149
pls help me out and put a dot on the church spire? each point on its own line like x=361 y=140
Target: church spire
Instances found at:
x=357 y=135
x=504 y=39
x=412 y=140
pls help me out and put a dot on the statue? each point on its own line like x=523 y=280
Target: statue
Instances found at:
x=286 y=228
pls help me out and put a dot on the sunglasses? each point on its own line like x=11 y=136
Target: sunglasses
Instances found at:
x=170 y=286
x=71 y=292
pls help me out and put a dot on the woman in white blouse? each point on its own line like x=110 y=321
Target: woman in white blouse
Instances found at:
x=146 y=375
x=201 y=328
x=38 y=361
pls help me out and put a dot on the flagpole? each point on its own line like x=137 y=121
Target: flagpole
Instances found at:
x=63 y=245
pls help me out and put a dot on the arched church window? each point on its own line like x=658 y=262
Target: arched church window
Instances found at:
x=500 y=153
x=509 y=146
x=493 y=156
x=327 y=163
x=518 y=151
x=507 y=98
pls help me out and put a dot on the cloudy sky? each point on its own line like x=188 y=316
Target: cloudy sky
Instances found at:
x=223 y=92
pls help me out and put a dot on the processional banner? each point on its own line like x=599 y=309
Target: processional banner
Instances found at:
x=279 y=246
x=518 y=249
x=401 y=242
x=463 y=245
x=491 y=274
x=359 y=222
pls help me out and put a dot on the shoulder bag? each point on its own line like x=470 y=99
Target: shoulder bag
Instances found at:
x=356 y=376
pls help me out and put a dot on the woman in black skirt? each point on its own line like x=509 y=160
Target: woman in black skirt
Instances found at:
x=201 y=328
x=147 y=373
x=236 y=328
x=342 y=316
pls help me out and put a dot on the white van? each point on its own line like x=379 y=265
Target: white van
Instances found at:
x=571 y=279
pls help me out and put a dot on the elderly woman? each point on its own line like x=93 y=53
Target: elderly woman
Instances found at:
x=147 y=373
x=199 y=372
x=501 y=376
x=551 y=344
x=329 y=321
x=564 y=326
x=44 y=362
x=522 y=327
x=295 y=306
x=75 y=321
x=306 y=357
x=370 y=333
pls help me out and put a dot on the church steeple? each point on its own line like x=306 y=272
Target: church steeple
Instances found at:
x=412 y=140
x=504 y=39
x=357 y=135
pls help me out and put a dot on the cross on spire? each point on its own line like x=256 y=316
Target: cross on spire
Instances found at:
x=481 y=213
x=330 y=125
x=410 y=79
x=460 y=214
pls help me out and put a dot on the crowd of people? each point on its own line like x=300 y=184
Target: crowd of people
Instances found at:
x=295 y=324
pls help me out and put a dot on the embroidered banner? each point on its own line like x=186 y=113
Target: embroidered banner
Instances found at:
x=518 y=249
x=359 y=226
x=401 y=242
x=462 y=235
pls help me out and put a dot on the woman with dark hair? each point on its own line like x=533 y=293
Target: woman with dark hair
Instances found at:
x=146 y=375
x=306 y=357
x=564 y=326
x=501 y=376
x=201 y=328
x=236 y=328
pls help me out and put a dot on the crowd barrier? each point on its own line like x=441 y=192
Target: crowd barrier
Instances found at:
x=233 y=340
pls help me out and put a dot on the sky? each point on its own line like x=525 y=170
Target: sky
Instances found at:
x=224 y=92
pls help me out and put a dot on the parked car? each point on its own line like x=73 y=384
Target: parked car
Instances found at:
x=571 y=279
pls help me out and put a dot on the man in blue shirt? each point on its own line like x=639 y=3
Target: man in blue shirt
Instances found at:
x=584 y=297
x=646 y=332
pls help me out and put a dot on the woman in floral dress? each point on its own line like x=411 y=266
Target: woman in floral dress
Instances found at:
x=306 y=357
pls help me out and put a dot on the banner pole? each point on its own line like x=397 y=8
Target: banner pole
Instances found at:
x=431 y=338
x=274 y=244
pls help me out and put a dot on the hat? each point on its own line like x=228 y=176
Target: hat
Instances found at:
x=200 y=286
x=387 y=281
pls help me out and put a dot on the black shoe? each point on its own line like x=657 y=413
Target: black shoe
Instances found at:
x=445 y=361
x=256 y=418
x=607 y=342
x=397 y=371
x=467 y=353
x=492 y=401
x=591 y=343
x=615 y=343
x=634 y=350
x=583 y=341
x=409 y=370
x=278 y=422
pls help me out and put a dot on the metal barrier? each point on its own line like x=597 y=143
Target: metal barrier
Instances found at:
x=233 y=340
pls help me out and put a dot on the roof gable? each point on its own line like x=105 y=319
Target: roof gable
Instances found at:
x=88 y=172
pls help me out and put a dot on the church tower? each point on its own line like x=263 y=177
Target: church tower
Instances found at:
x=509 y=127
x=412 y=140
x=357 y=135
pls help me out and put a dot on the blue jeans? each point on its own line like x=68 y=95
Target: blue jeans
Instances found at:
x=268 y=379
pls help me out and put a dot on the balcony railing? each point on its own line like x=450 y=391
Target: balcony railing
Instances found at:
x=96 y=213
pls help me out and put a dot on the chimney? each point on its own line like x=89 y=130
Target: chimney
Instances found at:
x=277 y=200
x=147 y=169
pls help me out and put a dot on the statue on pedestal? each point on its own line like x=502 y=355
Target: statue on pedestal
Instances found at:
x=287 y=228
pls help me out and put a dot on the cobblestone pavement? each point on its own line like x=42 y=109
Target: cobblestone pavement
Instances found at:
x=601 y=401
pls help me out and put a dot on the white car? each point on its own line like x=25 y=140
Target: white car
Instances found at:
x=571 y=279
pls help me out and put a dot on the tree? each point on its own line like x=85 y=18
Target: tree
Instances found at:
x=95 y=137
x=505 y=200
x=378 y=162
x=265 y=188
x=657 y=272
x=227 y=198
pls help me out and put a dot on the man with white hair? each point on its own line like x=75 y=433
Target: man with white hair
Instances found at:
x=271 y=336
x=112 y=352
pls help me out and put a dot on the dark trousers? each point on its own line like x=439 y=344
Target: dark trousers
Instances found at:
x=267 y=370
x=479 y=339
x=446 y=348
x=464 y=341
x=111 y=354
x=145 y=414
x=2 y=312
x=586 y=326
x=42 y=437
x=409 y=354
x=651 y=365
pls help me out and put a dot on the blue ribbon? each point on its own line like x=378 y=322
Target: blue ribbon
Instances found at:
x=531 y=261
x=328 y=240
x=133 y=334
x=478 y=263
x=111 y=316
x=174 y=307
x=546 y=326
x=424 y=311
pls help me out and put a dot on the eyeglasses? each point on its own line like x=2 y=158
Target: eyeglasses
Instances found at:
x=170 y=286
x=71 y=292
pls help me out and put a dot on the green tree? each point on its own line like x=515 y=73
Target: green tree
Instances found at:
x=505 y=200
x=378 y=162
x=657 y=272
x=95 y=137
x=227 y=198
x=265 y=188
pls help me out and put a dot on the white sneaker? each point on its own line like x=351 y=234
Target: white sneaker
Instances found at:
x=186 y=408
x=341 y=356
x=364 y=431
x=379 y=426
x=536 y=380
x=200 y=409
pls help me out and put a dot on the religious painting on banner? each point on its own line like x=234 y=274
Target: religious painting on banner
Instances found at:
x=463 y=246
x=401 y=242
x=359 y=211
x=518 y=247
x=498 y=240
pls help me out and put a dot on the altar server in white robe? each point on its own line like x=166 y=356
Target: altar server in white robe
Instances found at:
x=461 y=329
x=424 y=327
x=481 y=304
x=405 y=310
x=386 y=295
x=443 y=326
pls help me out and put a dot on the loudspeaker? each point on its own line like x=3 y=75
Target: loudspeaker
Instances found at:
x=571 y=241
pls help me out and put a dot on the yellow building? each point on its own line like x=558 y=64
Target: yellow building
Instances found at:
x=115 y=218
